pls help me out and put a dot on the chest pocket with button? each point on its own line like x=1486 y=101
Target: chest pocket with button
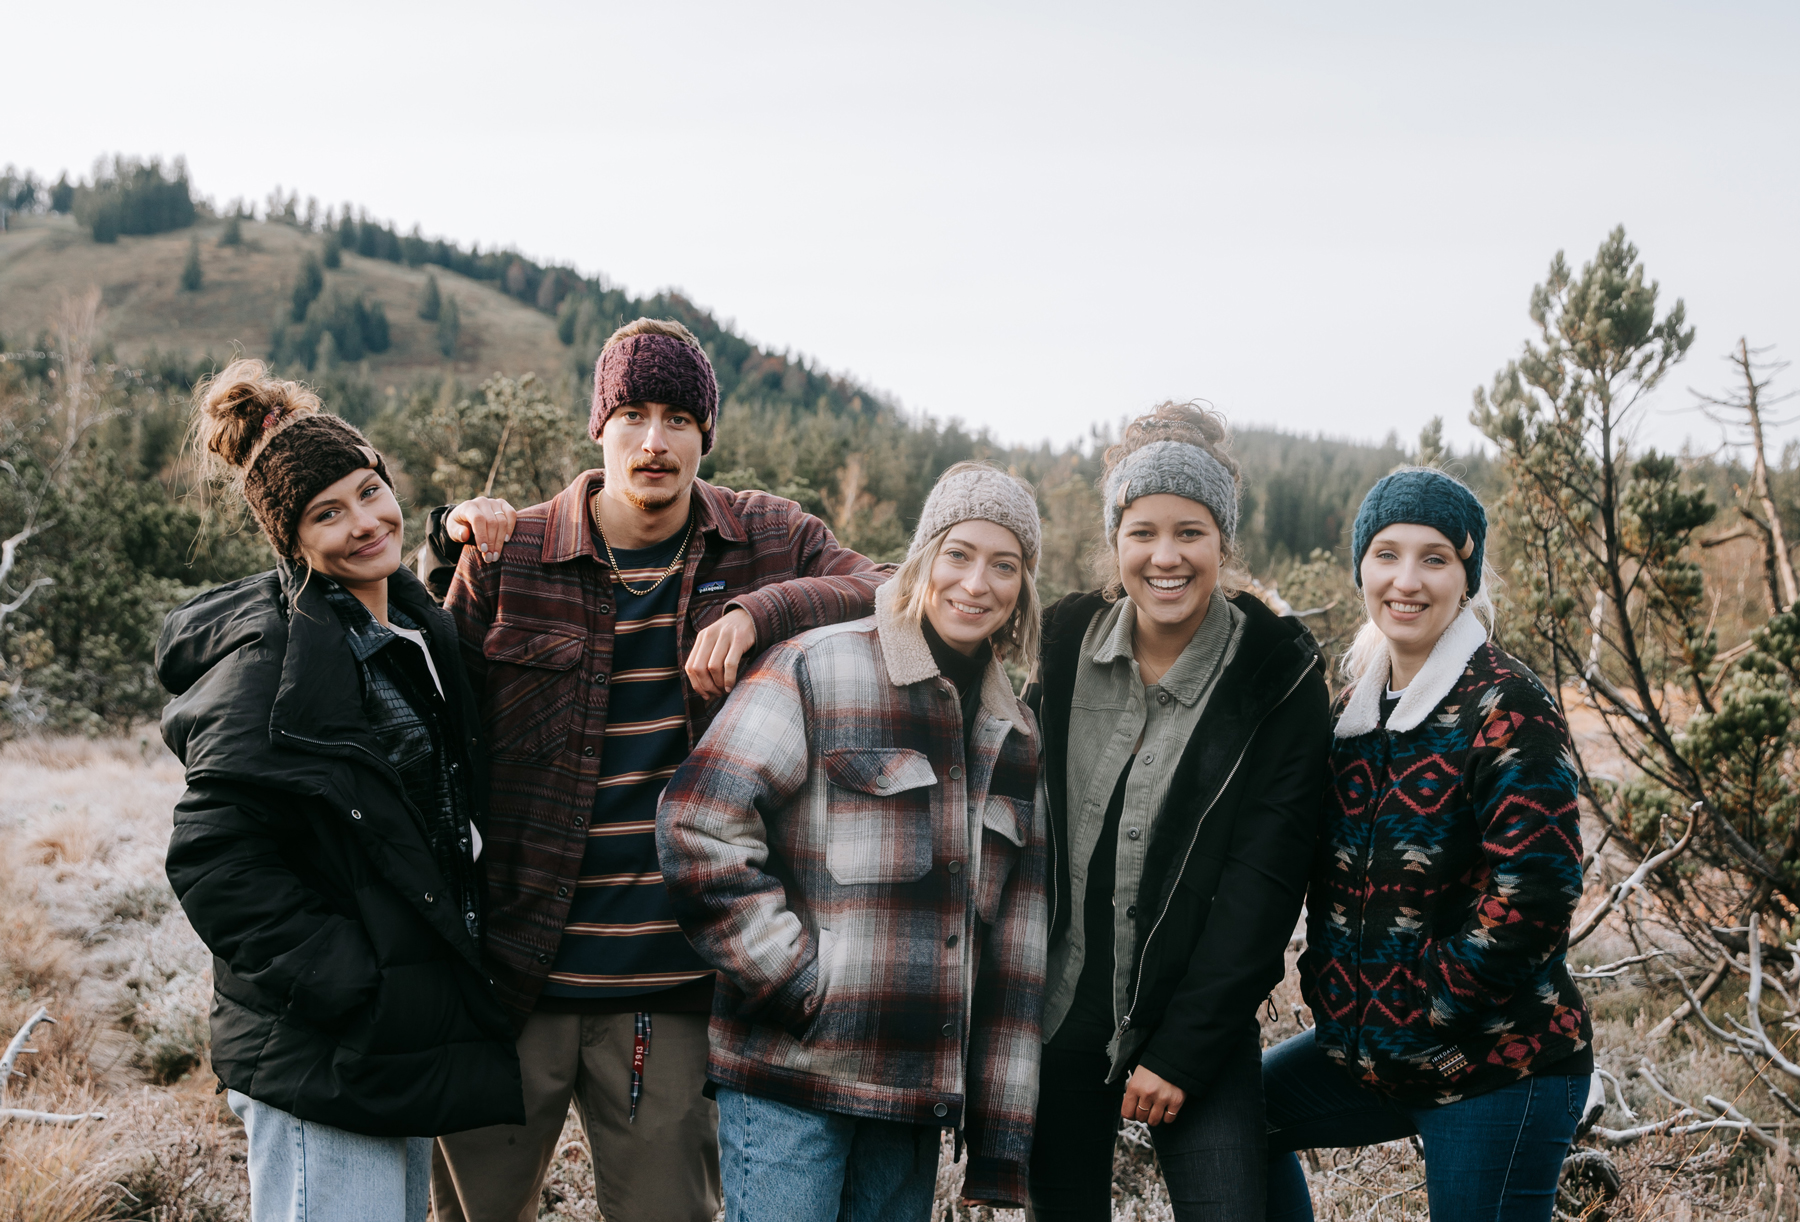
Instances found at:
x=878 y=815
x=1002 y=841
x=532 y=682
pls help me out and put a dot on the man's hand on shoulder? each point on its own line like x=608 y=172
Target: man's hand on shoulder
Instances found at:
x=485 y=521
x=712 y=665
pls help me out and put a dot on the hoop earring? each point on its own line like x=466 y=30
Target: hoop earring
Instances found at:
x=1464 y=602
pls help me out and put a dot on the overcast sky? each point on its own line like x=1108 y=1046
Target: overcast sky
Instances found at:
x=1327 y=217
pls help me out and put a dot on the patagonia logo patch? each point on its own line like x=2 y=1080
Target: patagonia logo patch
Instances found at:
x=711 y=587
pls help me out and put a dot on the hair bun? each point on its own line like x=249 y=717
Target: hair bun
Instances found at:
x=236 y=408
x=1185 y=422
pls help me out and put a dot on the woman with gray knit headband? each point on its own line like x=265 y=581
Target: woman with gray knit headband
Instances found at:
x=1184 y=742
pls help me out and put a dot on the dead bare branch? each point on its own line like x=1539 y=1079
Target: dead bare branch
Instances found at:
x=1584 y=926
x=8 y=1060
x=1607 y=971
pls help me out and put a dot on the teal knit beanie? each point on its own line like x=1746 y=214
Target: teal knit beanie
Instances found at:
x=1424 y=496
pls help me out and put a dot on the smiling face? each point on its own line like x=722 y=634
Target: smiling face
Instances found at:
x=1169 y=557
x=652 y=454
x=351 y=531
x=1413 y=585
x=973 y=584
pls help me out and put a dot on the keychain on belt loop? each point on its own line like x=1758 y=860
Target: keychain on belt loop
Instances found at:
x=640 y=1048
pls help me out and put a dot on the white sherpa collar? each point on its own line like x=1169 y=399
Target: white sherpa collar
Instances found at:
x=909 y=659
x=1442 y=669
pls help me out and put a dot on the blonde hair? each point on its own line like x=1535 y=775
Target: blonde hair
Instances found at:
x=1017 y=638
x=1192 y=424
x=1370 y=644
x=653 y=326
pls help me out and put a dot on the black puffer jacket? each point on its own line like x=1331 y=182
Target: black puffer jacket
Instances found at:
x=1228 y=857
x=347 y=989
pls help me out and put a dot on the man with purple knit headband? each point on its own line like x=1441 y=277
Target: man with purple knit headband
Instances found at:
x=575 y=617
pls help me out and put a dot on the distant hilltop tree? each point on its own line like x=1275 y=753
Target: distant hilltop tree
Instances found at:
x=356 y=327
x=233 y=234
x=334 y=249
x=129 y=196
x=19 y=190
x=62 y=195
x=192 y=277
x=449 y=328
x=308 y=286
x=430 y=302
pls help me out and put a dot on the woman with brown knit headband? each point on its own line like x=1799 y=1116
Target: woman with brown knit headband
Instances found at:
x=1184 y=746
x=326 y=848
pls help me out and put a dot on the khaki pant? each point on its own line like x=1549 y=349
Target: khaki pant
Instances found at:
x=663 y=1168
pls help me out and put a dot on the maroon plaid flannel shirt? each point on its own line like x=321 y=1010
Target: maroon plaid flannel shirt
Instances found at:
x=537 y=638
x=871 y=891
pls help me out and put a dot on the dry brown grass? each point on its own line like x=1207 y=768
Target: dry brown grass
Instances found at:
x=44 y=259
x=93 y=933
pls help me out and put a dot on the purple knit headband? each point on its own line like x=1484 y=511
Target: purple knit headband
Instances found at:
x=653 y=368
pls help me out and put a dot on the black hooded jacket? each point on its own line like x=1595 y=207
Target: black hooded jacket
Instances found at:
x=347 y=986
x=1229 y=855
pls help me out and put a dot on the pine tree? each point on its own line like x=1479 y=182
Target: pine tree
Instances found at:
x=430 y=302
x=1431 y=443
x=62 y=195
x=449 y=328
x=191 y=276
x=375 y=328
x=234 y=231
x=334 y=249
x=308 y=287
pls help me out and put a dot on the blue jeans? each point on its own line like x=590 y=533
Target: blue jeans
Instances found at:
x=781 y=1163
x=301 y=1171
x=1492 y=1158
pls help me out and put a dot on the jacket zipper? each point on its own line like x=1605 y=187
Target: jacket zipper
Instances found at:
x=335 y=747
x=1144 y=955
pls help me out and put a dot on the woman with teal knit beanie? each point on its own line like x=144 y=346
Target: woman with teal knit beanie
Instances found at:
x=1446 y=876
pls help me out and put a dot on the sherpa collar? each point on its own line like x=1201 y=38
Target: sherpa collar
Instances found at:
x=1449 y=657
x=909 y=660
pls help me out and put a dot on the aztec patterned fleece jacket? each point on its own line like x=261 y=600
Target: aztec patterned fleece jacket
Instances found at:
x=537 y=641
x=1438 y=914
x=872 y=895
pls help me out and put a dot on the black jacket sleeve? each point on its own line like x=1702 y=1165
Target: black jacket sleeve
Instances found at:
x=435 y=561
x=227 y=866
x=1241 y=954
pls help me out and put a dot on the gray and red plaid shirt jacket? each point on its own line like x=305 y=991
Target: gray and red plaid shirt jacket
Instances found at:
x=872 y=892
x=537 y=638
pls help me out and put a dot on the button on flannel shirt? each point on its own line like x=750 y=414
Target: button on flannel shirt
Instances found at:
x=871 y=891
x=537 y=642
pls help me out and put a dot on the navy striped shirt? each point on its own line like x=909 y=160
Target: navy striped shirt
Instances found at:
x=621 y=939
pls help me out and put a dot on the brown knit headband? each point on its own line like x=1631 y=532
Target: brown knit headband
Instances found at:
x=306 y=454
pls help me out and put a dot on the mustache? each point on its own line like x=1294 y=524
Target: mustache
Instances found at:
x=654 y=466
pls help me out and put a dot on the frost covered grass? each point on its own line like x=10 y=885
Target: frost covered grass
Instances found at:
x=93 y=933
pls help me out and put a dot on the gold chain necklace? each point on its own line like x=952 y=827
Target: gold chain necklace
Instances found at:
x=594 y=509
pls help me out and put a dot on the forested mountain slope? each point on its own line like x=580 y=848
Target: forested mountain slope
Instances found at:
x=247 y=292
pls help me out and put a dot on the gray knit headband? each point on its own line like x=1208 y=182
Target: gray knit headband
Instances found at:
x=1178 y=467
x=970 y=491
